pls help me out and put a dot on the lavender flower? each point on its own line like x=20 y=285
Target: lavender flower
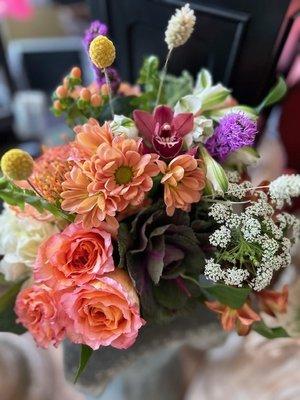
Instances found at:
x=95 y=29
x=113 y=77
x=234 y=131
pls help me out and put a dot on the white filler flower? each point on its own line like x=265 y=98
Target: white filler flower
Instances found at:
x=20 y=239
x=180 y=27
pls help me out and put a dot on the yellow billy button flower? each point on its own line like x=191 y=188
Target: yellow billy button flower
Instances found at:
x=102 y=52
x=17 y=164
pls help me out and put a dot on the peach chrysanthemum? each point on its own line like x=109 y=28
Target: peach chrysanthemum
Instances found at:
x=184 y=181
x=92 y=207
x=121 y=170
x=90 y=135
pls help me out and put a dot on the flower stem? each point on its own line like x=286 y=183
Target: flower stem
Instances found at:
x=109 y=92
x=34 y=188
x=163 y=75
x=191 y=279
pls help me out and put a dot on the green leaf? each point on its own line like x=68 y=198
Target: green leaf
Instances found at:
x=216 y=115
x=204 y=80
x=177 y=86
x=122 y=105
x=217 y=180
x=149 y=78
x=231 y=296
x=170 y=295
x=276 y=93
x=15 y=196
x=123 y=242
x=269 y=333
x=7 y=314
x=85 y=355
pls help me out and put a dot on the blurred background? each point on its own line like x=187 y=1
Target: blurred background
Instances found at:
x=245 y=44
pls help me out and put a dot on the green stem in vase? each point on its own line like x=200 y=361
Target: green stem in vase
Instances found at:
x=163 y=75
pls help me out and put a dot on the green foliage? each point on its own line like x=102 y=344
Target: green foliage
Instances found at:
x=269 y=333
x=173 y=89
x=122 y=105
x=231 y=296
x=216 y=115
x=15 y=196
x=149 y=79
x=276 y=93
x=124 y=241
x=7 y=314
x=177 y=87
x=85 y=355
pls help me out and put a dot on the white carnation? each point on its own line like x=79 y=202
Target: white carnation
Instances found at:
x=20 y=239
x=180 y=27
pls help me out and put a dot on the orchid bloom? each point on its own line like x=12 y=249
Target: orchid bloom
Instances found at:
x=162 y=130
x=240 y=319
x=274 y=302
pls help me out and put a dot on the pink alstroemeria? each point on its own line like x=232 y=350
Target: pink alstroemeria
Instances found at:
x=163 y=131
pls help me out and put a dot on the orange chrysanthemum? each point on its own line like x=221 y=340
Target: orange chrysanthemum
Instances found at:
x=91 y=207
x=115 y=177
x=184 y=181
x=90 y=135
x=122 y=171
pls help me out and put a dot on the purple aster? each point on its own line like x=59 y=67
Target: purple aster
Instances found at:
x=234 y=131
x=95 y=29
x=113 y=77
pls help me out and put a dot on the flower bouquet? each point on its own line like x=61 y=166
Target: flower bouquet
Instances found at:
x=147 y=212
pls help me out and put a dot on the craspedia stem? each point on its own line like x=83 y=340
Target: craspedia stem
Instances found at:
x=163 y=75
x=34 y=188
x=109 y=92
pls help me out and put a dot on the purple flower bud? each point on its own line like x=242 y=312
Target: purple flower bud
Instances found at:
x=95 y=29
x=234 y=131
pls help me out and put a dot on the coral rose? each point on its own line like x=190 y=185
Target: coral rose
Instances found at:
x=74 y=257
x=38 y=310
x=103 y=313
x=184 y=181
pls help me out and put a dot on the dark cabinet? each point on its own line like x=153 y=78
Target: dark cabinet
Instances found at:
x=237 y=40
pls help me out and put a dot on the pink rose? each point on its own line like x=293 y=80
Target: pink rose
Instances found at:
x=74 y=257
x=37 y=308
x=104 y=312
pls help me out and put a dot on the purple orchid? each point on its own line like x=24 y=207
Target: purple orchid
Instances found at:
x=162 y=131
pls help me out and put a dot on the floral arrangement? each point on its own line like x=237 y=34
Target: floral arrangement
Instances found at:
x=147 y=212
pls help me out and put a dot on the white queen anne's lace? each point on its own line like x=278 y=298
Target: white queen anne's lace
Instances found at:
x=284 y=188
x=213 y=270
x=220 y=237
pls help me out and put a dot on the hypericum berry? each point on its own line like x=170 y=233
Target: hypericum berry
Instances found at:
x=85 y=94
x=57 y=105
x=61 y=92
x=75 y=73
x=17 y=164
x=105 y=90
x=96 y=100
